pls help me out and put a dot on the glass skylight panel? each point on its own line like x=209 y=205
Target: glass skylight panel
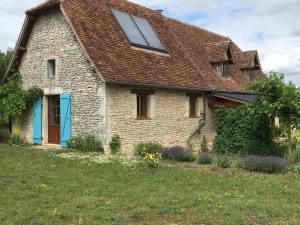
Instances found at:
x=138 y=31
x=148 y=32
x=129 y=27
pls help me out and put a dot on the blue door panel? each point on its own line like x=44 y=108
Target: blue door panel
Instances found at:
x=65 y=118
x=37 y=121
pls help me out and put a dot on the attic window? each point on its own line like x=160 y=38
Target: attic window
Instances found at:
x=221 y=68
x=138 y=31
x=249 y=74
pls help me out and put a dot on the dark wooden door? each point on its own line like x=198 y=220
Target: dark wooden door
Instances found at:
x=54 y=119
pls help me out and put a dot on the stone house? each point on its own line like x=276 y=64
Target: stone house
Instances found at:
x=114 y=67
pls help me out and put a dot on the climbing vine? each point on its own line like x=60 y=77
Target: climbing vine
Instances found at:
x=14 y=100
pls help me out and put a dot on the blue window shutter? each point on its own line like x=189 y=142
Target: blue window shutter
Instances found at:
x=65 y=118
x=37 y=121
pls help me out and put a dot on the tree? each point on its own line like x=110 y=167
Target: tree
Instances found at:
x=279 y=99
x=5 y=58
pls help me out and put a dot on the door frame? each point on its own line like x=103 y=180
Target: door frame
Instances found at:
x=48 y=120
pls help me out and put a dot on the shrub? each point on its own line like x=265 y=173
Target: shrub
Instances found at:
x=115 y=144
x=266 y=164
x=223 y=161
x=4 y=135
x=178 y=153
x=88 y=143
x=152 y=160
x=205 y=158
x=16 y=140
x=151 y=148
x=244 y=131
x=296 y=154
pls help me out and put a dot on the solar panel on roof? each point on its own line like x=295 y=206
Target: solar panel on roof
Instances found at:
x=138 y=31
x=129 y=27
x=148 y=32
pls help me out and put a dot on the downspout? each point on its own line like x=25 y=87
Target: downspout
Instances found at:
x=202 y=122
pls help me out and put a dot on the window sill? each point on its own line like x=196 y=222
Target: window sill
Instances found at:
x=143 y=118
x=194 y=117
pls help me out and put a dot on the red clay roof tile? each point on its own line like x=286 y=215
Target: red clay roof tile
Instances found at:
x=190 y=49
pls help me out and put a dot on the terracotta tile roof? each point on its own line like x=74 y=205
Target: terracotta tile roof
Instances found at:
x=246 y=59
x=217 y=51
x=189 y=49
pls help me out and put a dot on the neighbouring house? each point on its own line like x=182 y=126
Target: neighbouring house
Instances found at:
x=114 y=67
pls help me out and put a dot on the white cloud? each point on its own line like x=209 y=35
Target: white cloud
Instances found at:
x=270 y=26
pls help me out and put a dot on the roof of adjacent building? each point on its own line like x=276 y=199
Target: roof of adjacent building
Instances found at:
x=187 y=63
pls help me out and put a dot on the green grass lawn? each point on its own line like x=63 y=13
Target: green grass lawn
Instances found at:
x=39 y=188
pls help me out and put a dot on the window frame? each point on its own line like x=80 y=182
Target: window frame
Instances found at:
x=224 y=73
x=51 y=68
x=142 y=106
x=142 y=103
x=192 y=106
x=142 y=34
x=249 y=73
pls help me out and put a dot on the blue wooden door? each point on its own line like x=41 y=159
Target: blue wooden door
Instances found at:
x=37 y=121
x=65 y=118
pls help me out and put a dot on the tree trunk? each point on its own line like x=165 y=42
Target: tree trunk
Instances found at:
x=273 y=126
x=290 y=144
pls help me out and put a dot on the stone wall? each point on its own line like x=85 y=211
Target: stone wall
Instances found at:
x=52 y=38
x=169 y=122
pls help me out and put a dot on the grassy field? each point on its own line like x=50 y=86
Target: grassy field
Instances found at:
x=40 y=188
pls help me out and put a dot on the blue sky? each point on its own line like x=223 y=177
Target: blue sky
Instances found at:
x=270 y=26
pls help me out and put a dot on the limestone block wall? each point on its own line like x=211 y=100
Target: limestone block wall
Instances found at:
x=169 y=122
x=52 y=38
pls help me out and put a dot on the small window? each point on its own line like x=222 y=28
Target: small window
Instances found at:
x=51 y=67
x=193 y=111
x=222 y=68
x=249 y=73
x=142 y=106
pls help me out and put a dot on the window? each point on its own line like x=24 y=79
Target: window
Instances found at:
x=193 y=111
x=142 y=102
x=51 y=67
x=249 y=73
x=138 y=31
x=142 y=106
x=222 y=68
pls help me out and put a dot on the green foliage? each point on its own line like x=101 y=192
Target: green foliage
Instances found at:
x=152 y=160
x=115 y=144
x=279 y=99
x=188 y=157
x=4 y=135
x=296 y=154
x=223 y=161
x=5 y=58
x=243 y=131
x=14 y=101
x=151 y=148
x=205 y=158
x=15 y=140
x=204 y=145
x=87 y=144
